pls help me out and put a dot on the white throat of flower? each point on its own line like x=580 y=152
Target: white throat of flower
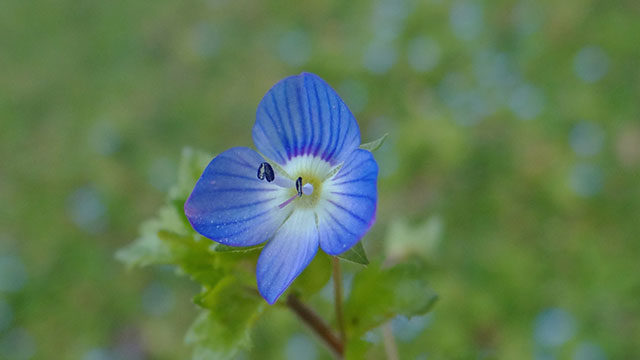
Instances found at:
x=302 y=177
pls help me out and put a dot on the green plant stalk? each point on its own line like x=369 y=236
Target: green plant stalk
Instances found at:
x=337 y=291
x=317 y=325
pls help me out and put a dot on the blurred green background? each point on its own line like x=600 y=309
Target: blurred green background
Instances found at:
x=512 y=165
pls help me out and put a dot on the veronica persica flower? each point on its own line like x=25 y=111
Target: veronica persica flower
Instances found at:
x=308 y=185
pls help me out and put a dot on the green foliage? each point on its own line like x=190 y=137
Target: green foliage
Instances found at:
x=375 y=144
x=356 y=254
x=379 y=294
x=405 y=240
x=315 y=276
x=229 y=300
x=99 y=93
x=224 y=328
x=230 y=304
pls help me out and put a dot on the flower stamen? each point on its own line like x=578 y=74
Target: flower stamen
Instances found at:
x=265 y=171
x=288 y=201
x=299 y=186
x=306 y=189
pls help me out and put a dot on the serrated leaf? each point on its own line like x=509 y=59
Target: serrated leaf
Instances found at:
x=375 y=144
x=378 y=295
x=356 y=254
x=147 y=250
x=225 y=326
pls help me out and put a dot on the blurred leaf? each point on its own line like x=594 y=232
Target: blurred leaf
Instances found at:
x=147 y=250
x=357 y=349
x=375 y=144
x=224 y=328
x=356 y=254
x=217 y=247
x=315 y=276
x=405 y=240
x=379 y=294
x=192 y=165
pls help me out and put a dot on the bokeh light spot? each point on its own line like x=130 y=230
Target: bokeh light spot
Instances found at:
x=405 y=329
x=379 y=57
x=553 y=327
x=355 y=95
x=158 y=299
x=589 y=351
x=162 y=173
x=103 y=138
x=526 y=102
x=466 y=20
x=586 y=179
x=98 y=354
x=591 y=64
x=423 y=53
x=294 y=47
x=13 y=273
x=204 y=40
x=17 y=344
x=87 y=210
x=6 y=315
x=586 y=138
x=301 y=347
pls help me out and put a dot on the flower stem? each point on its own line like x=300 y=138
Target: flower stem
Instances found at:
x=317 y=325
x=337 y=290
x=390 y=346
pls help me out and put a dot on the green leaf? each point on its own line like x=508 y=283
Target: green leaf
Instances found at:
x=356 y=254
x=405 y=240
x=217 y=247
x=315 y=276
x=148 y=249
x=357 y=349
x=379 y=294
x=225 y=326
x=229 y=298
x=375 y=144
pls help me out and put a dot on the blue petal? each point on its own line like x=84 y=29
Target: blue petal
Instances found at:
x=303 y=115
x=230 y=205
x=348 y=205
x=287 y=254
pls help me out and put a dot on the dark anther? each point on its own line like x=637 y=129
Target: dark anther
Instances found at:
x=299 y=186
x=266 y=171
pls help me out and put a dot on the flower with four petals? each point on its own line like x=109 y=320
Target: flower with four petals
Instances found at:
x=308 y=185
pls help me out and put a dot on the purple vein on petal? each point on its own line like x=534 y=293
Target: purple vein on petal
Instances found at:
x=285 y=139
x=301 y=113
x=354 y=195
x=354 y=215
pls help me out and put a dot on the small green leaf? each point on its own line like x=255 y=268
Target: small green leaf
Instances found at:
x=225 y=326
x=147 y=250
x=375 y=144
x=379 y=294
x=356 y=254
x=217 y=247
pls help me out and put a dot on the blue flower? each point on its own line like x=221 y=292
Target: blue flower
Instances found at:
x=308 y=185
